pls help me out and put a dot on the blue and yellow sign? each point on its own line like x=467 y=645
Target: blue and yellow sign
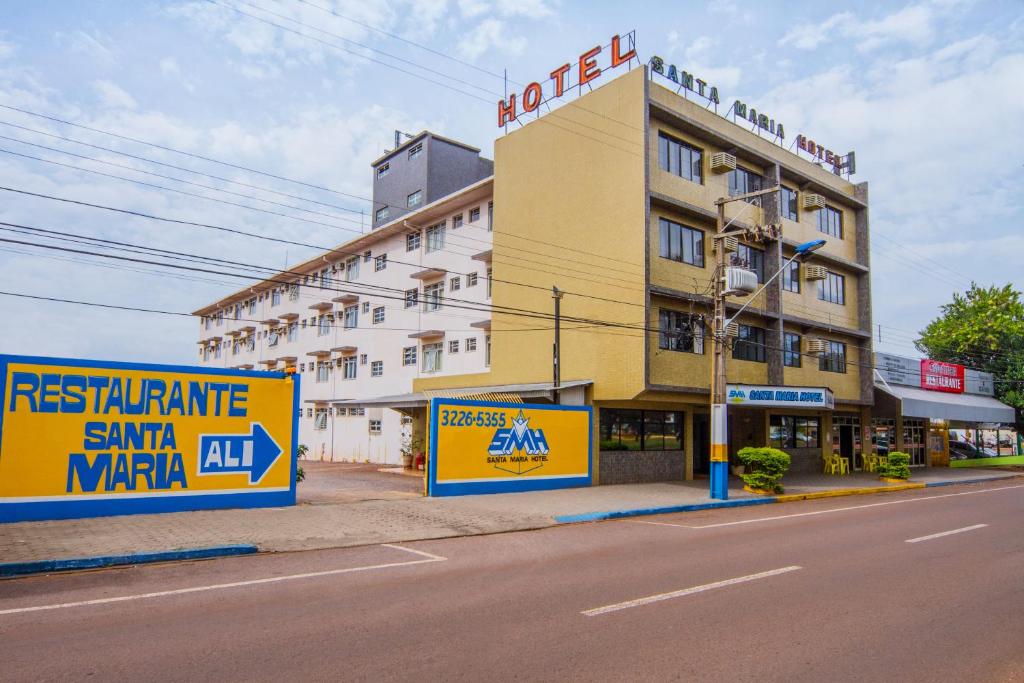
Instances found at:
x=83 y=438
x=485 y=447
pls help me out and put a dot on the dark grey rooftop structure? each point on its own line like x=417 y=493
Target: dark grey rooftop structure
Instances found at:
x=421 y=170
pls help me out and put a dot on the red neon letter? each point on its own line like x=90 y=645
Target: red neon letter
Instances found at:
x=507 y=112
x=617 y=58
x=589 y=70
x=531 y=97
x=558 y=76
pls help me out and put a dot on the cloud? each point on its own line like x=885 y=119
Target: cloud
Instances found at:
x=6 y=49
x=487 y=34
x=698 y=56
x=912 y=24
x=529 y=9
x=94 y=45
x=113 y=96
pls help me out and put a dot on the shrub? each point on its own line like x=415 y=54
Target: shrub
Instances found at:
x=897 y=467
x=300 y=452
x=765 y=467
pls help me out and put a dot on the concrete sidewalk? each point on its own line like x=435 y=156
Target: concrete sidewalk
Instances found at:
x=333 y=525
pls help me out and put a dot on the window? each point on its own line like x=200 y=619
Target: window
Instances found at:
x=348 y=367
x=753 y=258
x=412 y=241
x=409 y=355
x=273 y=338
x=367 y=256
x=471 y=279
x=679 y=158
x=470 y=344
x=216 y=351
x=794 y=431
x=321 y=419
x=252 y=306
x=378 y=315
x=680 y=331
x=788 y=208
x=490 y=281
x=414 y=199
x=457 y=221
x=830 y=222
x=742 y=181
x=238 y=311
x=791 y=350
x=377 y=368
x=832 y=289
x=432 y=296
x=490 y=216
x=309 y=412
x=374 y=426
x=357 y=412
x=380 y=263
x=453 y=346
x=275 y=297
x=411 y=297
x=641 y=430
x=680 y=243
x=352 y=269
x=834 y=359
x=250 y=343
x=487 y=350
x=236 y=346
x=293 y=331
x=324 y=327
x=749 y=344
x=293 y=292
x=351 y=317
x=474 y=215
x=791 y=277
x=383 y=213
x=415 y=150
x=383 y=170
x=432 y=357
x=366 y=307
x=435 y=238
x=362 y=359
x=323 y=371
x=455 y=284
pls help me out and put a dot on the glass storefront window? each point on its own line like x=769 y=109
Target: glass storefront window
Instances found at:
x=794 y=431
x=635 y=430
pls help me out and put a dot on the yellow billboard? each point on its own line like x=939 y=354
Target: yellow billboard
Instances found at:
x=84 y=438
x=487 y=447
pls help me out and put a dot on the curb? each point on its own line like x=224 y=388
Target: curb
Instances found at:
x=638 y=512
x=979 y=480
x=41 y=566
x=836 y=493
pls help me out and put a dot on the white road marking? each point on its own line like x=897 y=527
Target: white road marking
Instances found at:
x=825 y=512
x=686 y=591
x=946 y=533
x=234 y=584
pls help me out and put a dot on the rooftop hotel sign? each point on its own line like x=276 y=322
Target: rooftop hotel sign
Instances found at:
x=569 y=75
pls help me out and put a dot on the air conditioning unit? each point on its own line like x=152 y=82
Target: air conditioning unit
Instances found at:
x=740 y=281
x=817 y=346
x=812 y=273
x=722 y=162
x=732 y=330
x=813 y=202
x=730 y=244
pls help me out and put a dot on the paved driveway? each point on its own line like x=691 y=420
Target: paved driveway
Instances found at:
x=339 y=482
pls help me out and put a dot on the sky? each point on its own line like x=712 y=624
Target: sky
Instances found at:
x=930 y=94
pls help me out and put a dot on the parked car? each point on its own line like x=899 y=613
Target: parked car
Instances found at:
x=961 y=450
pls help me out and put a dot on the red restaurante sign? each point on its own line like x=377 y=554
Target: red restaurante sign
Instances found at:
x=939 y=376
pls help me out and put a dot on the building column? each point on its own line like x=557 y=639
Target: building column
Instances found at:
x=899 y=434
x=595 y=447
x=773 y=293
x=688 y=444
x=865 y=432
x=825 y=437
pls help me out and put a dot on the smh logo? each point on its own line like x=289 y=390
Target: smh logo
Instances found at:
x=518 y=437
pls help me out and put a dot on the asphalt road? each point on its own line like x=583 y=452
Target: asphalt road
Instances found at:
x=821 y=590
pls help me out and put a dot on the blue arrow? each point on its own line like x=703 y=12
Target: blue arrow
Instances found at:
x=252 y=453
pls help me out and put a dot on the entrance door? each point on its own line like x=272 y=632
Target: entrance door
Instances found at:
x=846 y=449
x=701 y=443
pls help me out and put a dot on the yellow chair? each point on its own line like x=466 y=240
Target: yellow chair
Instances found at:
x=844 y=464
x=870 y=462
x=833 y=465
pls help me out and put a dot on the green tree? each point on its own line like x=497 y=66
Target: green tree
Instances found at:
x=983 y=329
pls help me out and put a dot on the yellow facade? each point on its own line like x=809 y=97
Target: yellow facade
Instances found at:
x=583 y=184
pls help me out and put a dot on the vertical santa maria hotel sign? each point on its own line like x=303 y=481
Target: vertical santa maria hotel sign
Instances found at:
x=85 y=438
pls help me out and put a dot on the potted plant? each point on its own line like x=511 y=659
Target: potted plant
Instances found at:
x=300 y=453
x=765 y=468
x=897 y=468
x=410 y=447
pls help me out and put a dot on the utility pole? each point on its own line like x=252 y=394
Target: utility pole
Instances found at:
x=719 y=383
x=556 y=358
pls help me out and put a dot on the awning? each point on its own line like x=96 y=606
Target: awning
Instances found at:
x=508 y=393
x=942 y=406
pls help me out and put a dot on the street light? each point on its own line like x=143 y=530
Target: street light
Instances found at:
x=719 y=406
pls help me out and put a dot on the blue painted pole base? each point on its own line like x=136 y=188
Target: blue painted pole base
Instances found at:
x=720 y=480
